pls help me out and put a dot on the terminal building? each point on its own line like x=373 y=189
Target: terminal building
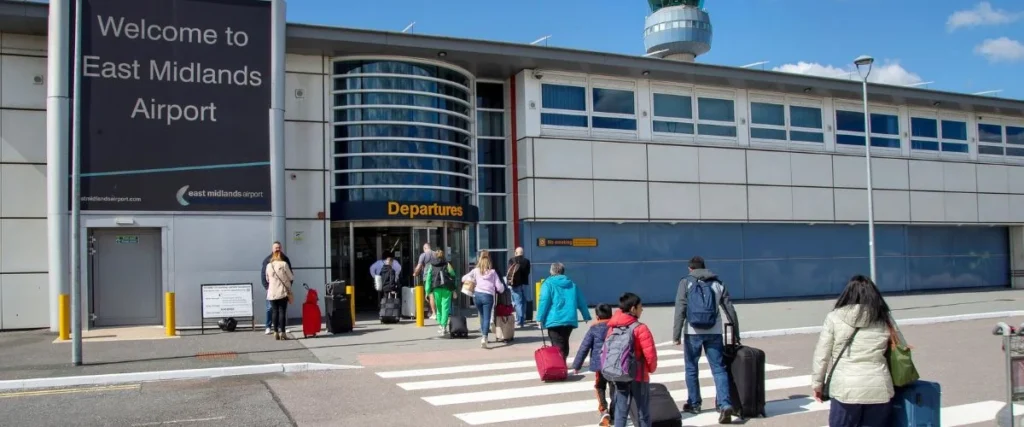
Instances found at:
x=621 y=167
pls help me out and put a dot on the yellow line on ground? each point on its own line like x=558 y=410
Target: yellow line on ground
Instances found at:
x=68 y=391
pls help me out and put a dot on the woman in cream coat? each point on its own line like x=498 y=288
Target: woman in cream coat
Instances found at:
x=861 y=385
x=279 y=279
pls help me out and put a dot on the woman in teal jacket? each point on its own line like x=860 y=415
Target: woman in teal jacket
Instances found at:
x=560 y=299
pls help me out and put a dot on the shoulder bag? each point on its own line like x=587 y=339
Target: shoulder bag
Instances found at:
x=901 y=365
x=832 y=369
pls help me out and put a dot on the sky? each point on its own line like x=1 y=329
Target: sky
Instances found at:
x=964 y=46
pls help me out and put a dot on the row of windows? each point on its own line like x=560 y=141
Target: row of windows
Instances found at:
x=400 y=67
x=342 y=178
x=997 y=140
x=400 y=83
x=399 y=115
x=396 y=162
x=489 y=179
x=401 y=131
x=492 y=232
x=391 y=98
x=700 y=25
x=400 y=146
x=405 y=194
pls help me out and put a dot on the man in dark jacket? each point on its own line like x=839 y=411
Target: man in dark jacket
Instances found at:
x=518 y=279
x=263 y=275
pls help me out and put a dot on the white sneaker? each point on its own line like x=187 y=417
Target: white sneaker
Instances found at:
x=268 y=332
x=440 y=330
x=483 y=342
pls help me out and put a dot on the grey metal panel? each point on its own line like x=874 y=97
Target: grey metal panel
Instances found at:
x=126 y=279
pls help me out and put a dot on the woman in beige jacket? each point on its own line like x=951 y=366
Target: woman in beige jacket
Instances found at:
x=279 y=279
x=860 y=386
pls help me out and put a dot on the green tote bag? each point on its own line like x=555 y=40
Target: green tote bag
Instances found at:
x=901 y=365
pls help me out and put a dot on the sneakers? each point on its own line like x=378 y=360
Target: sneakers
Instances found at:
x=606 y=420
x=268 y=332
x=725 y=416
x=693 y=409
x=440 y=330
x=483 y=342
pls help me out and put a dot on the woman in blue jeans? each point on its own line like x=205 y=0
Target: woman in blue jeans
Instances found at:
x=488 y=283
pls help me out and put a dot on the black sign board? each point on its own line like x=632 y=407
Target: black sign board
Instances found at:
x=175 y=105
x=404 y=210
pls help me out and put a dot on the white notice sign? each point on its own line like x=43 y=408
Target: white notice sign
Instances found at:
x=234 y=300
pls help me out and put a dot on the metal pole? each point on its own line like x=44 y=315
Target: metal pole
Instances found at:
x=76 y=197
x=57 y=116
x=867 y=156
x=277 y=173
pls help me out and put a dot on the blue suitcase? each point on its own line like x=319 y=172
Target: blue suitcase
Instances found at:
x=917 y=405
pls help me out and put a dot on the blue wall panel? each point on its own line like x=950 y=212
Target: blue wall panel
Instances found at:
x=770 y=260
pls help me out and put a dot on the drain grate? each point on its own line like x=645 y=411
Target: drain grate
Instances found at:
x=226 y=355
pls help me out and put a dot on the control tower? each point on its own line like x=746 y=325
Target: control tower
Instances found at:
x=677 y=29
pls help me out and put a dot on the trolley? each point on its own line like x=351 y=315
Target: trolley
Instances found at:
x=1013 y=349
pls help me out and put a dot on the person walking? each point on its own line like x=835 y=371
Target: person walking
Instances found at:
x=274 y=249
x=593 y=343
x=426 y=258
x=518 y=279
x=279 y=292
x=560 y=299
x=699 y=299
x=850 y=365
x=488 y=284
x=439 y=281
x=625 y=328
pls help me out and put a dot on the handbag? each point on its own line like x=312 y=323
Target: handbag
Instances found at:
x=828 y=380
x=901 y=365
x=468 y=288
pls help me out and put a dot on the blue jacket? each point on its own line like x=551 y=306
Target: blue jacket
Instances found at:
x=559 y=301
x=593 y=342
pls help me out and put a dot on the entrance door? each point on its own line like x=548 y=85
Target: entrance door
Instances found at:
x=126 y=276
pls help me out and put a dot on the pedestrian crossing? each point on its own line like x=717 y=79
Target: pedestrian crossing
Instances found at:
x=507 y=393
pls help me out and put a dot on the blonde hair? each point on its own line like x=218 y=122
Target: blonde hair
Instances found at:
x=439 y=254
x=483 y=262
x=276 y=257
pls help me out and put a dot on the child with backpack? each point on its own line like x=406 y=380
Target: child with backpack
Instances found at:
x=592 y=344
x=628 y=359
x=439 y=281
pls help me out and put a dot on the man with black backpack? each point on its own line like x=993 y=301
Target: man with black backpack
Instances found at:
x=698 y=302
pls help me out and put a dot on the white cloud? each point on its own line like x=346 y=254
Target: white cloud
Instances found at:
x=982 y=14
x=888 y=73
x=1001 y=49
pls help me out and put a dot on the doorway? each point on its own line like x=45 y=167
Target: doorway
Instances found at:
x=125 y=276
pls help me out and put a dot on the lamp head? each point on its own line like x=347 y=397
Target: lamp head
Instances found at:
x=864 y=60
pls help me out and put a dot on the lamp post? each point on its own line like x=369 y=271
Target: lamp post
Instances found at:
x=867 y=61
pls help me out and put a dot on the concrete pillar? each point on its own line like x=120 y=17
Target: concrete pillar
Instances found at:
x=1017 y=257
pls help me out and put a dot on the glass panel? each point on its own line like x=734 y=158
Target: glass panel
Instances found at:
x=614 y=101
x=400 y=83
x=493 y=236
x=844 y=139
x=885 y=142
x=613 y=123
x=673 y=127
x=1015 y=151
x=924 y=145
x=884 y=124
x=768 y=114
x=401 y=178
x=408 y=131
x=716 y=130
x=759 y=133
x=806 y=136
x=490 y=151
x=456 y=252
x=344 y=99
x=954 y=148
x=563 y=97
x=990 y=150
x=954 y=130
x=399 y=115
x=552 y=119
x=398 y=67
x=403 y=147
x=675 y=106
x=393 y=162
x=490 y=95
x=490 y=123
x=1014 y=135
x=722 y=110
x=492 y=208
x=924 y=128
x=404 y=194
x=492 y=180
x=990 y=133
x=805 y=117
x=850 y=121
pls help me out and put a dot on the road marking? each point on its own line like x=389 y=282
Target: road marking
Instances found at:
x=555 y=389
x=584 y=406
x=462 y=369
x=68 y=391
x=193 y=420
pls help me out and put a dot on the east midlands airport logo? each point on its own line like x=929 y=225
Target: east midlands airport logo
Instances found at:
x=186 y=197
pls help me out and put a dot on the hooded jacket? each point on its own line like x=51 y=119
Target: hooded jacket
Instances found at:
x=862 y=373
x=643 y=345
x=592 y=344
x=726 y=311
x=559 y=301
x=488 y=283
x=428 y=274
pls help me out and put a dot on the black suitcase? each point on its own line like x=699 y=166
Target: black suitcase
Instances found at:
x=457 y=324
x=746 y=376
x=390 y=308
x=664 y=412
x=339 y=314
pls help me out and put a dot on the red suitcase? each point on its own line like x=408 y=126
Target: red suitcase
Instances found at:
x=310 y=313
x=550 y=362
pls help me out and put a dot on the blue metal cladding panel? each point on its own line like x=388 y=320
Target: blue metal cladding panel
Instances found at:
x=759 y=261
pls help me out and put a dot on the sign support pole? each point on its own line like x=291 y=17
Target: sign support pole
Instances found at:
x=277 y=71
x=76 y=196
x=57 y=121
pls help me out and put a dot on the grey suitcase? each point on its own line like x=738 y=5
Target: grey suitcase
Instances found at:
x=409 y=302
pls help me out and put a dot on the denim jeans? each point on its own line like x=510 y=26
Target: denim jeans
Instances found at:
x=712 y=345
x=519 y=301
x=636 y=392
x=484 y=305
x=269 y=314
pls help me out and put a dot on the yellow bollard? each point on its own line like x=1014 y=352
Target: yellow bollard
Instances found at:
x=351 y=291
x=420 y=299
x=169 y=326
x=536 y=301
x=64 y=317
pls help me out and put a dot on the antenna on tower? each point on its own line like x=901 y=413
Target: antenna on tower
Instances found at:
x=409 y=27
x=542 y=39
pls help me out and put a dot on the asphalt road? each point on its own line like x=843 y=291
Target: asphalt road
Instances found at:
x=459 y=387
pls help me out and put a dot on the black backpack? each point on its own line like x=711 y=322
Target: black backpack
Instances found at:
x=388 y=278
x=444 y=279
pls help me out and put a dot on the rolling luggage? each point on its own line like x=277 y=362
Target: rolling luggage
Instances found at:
x=409 y=302
x=550 y=362
x=390 y=308
x=458 y=327
x=504 y=319
x=311 y=317
x=664 y=412
x=339 y=314
x=746 y=376
x=918 y=404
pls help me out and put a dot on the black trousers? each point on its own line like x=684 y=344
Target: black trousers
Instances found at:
x=279 y=313
x=560 y=338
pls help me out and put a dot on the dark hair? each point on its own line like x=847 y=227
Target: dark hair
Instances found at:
x=627 y=301
x=861 y=290
x=697 y=263
x=603 y=311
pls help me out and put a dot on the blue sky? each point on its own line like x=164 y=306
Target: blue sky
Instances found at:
x=961 y=45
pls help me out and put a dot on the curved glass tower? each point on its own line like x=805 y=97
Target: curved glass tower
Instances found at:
x=402 y=131
x=677 y=29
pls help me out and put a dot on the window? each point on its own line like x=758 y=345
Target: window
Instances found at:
x=491 y=180
x=932 y=135
x=805 y=124
x=769 y=122
x=493 y=236
x=673 y=114
x=990 y=139
x=563 y=105
x=716 y=117
x=924 y=134
x=491 y=151
x=614 y=109
x=885 y=129
x=490 y=123
x=1015 y=135
x=492 y=208
x=490 y=95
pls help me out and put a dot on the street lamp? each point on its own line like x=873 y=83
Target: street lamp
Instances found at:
x=867 y=61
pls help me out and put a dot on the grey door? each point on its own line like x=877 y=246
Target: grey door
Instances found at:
x=126 y=277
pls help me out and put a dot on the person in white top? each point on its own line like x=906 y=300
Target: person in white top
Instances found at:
x=279 y=278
